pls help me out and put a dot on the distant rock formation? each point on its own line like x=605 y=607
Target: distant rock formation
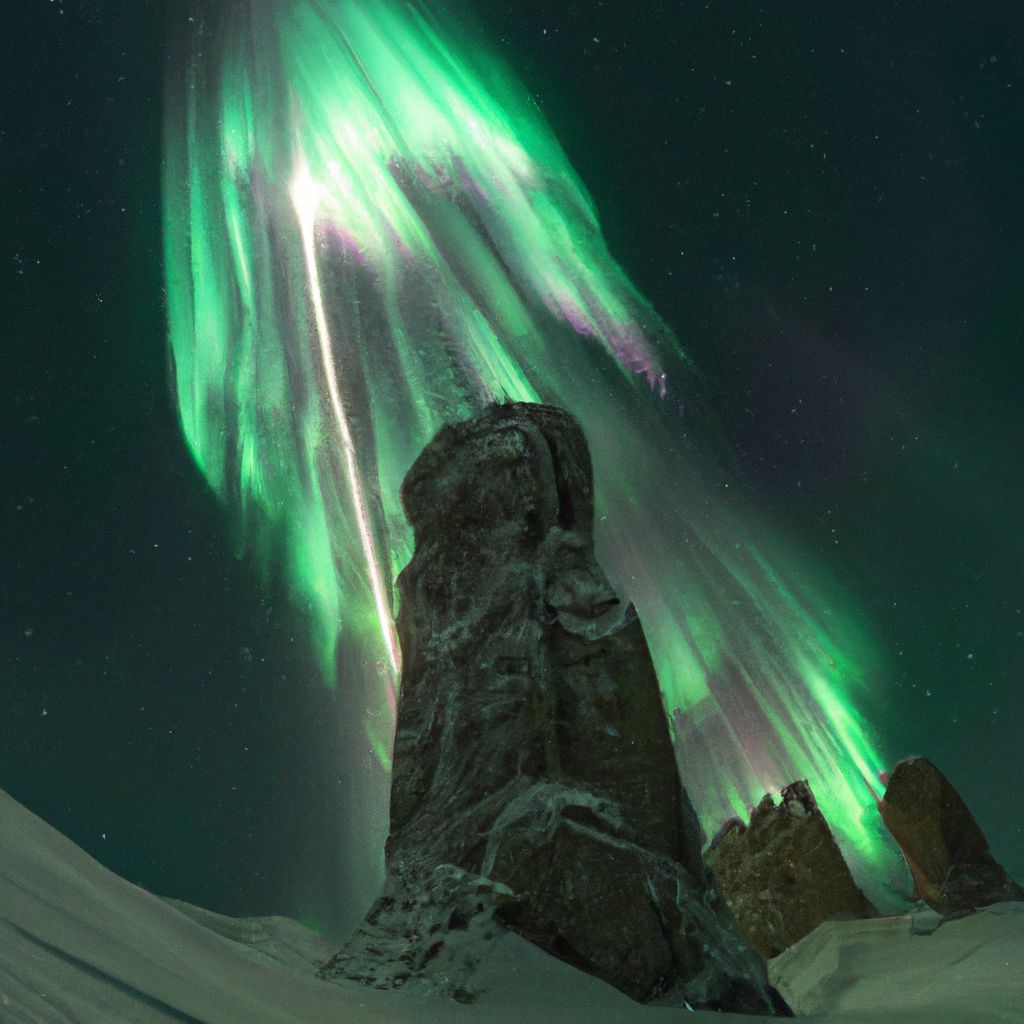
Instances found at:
x=783 y=874
x=948 y=855
x=535 y=785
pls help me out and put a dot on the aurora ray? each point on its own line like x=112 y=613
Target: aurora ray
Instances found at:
x=370 y=231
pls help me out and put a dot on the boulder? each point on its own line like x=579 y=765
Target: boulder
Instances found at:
x=947 y=853
x=783 y=874
x=532 y=752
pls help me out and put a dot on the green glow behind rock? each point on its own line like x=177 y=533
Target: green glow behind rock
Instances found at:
x=370 y=231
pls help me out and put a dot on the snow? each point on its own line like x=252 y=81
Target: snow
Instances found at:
x=79 y=945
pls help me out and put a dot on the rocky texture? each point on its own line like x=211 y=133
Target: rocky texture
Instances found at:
x=783 y=874
x=532 y=749
x=519 y=663
x=434 y=930
x=954 y=872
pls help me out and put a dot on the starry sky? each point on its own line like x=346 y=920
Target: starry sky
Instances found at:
x=821 y=199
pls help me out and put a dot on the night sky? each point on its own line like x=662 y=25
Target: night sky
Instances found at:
x=824 y=202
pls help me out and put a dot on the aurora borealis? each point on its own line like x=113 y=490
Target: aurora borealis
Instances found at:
x=371 y=230
x=825 y=208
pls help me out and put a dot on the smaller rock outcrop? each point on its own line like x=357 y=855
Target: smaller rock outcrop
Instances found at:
x=783 y=874
x=947 y=853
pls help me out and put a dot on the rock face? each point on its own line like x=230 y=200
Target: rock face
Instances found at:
x=947 y=853
x=532 y=752
x=783 y=874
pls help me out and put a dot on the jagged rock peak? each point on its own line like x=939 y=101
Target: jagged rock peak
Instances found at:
x=783 y=874
x=532 y=751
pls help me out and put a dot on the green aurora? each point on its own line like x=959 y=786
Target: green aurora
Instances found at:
x=371 y=231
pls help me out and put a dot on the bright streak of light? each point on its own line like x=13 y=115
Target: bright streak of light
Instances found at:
x=305 y=193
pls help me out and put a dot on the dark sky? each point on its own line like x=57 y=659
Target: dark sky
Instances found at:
x=822 y=199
